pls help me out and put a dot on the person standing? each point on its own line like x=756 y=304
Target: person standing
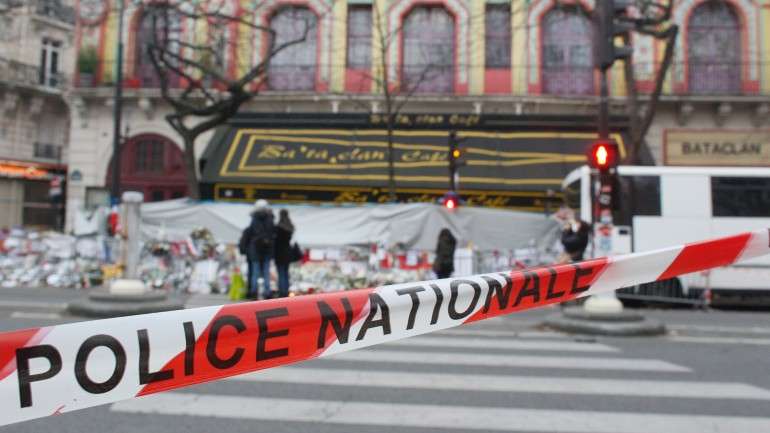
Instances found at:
x=574 y=238
x=443 y=266
x=259 y=240
x=283 y=233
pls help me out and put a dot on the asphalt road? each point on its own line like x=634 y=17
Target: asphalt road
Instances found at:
x=711 y=373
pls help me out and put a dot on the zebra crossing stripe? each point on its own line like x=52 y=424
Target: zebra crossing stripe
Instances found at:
x=509 y=384
x=62 y=368
x=477 y=343
x=513 y=333
x=433 y=416
x=525 y=361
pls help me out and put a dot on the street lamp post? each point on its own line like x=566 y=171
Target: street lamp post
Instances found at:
x=117 y=107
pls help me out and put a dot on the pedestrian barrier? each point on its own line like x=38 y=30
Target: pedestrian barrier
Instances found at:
x=57 y=369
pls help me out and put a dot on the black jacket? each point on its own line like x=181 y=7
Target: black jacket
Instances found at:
x=258 y=239
x=575 y=242
x=445 y=254
x=282 y=245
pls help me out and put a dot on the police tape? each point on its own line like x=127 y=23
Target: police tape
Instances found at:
x=57 y=369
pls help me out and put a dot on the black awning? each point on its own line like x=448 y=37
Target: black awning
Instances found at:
x=350 y=153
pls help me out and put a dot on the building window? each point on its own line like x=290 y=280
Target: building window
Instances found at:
x=294 y=68
x=497 y=36
x=428 y=51
x=55 y=9
x=714 y=49
x=740 y=196
x=162 y=27
x=49 y=63
x=37 y=208
x=8 y=30
x=360 y=37
x=149 y=156
x=567 y=54
x=640 y=195
x=47 y=151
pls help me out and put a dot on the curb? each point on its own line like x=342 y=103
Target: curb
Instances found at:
x=614 y=328
x=101 y=305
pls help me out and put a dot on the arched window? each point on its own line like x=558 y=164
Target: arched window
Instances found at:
x=429 y=51
x=293 y=68
x=156 y=26
x=567 y=53
x=714 y=49
x=154 y=165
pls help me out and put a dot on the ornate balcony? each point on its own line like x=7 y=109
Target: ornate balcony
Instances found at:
x=23 y=74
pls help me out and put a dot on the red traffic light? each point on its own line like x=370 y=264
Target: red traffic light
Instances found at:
x=603 y=155
x=450 y=200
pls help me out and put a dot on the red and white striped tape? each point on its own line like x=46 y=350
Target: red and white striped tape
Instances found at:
x=57 y=369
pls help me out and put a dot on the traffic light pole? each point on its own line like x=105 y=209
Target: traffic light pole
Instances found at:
x=604 y=107
x=117 y=109
x=602 y=209
x=452 y=161
x=603 y=313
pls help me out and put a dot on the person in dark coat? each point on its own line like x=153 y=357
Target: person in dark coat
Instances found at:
x=443 y=266
x=259 y=240
x=283 y=233
x=574 y=238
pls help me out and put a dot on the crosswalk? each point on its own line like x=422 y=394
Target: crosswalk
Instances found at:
x=477 y=378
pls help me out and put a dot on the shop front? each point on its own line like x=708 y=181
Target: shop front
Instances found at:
x=31 y=194
x=515 y=162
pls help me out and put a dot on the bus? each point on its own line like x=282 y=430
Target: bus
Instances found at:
x=661 y=206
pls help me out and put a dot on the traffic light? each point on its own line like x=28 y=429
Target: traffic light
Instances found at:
x=455 y=160
x=603 y=155
x=450 y=200
x=611 y=22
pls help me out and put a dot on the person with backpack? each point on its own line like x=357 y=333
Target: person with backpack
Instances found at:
x=257 y=242
x=283 y=251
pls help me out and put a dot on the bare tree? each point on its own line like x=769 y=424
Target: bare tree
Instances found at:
x=653 y=19
x=192 y=72
x=396 y=88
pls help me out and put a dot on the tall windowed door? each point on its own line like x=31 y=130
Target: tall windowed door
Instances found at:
x=429 y=50
x=153 y=165
x=714 y=49
x=49 y=63
x=567 y=56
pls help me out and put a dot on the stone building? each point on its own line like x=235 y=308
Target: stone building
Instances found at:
x=36 y=57
x=524 y=60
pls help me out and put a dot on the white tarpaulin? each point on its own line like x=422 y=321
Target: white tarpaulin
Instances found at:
x=415 y=225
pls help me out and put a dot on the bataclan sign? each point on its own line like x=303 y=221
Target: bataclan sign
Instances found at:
x=717 y=147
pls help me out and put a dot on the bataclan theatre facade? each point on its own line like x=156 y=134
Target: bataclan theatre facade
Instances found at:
x=515 y=162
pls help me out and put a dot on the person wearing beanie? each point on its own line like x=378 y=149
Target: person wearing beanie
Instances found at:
x=257 y=242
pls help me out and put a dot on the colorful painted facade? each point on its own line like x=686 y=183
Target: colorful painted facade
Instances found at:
x=541 y=34
x=496 y=57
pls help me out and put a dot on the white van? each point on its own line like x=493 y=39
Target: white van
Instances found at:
x=665 y=206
